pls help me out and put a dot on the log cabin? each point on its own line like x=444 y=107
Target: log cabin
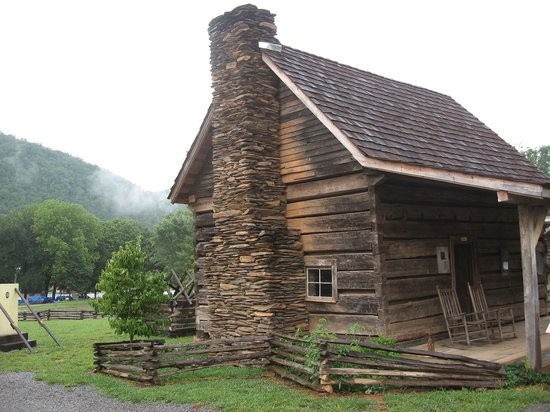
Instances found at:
x=324 y=191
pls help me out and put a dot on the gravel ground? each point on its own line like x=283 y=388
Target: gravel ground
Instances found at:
x=20 y=393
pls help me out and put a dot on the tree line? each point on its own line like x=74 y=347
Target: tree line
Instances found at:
x=58 y=245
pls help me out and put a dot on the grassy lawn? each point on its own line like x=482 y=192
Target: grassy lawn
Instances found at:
x=65 y=305
x=229 y=388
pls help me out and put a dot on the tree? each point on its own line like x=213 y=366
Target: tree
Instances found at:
x=68 y=233
x=21 y=259
x=112 y=235
x=132 y=296
x=539 y=157
x=173 y=241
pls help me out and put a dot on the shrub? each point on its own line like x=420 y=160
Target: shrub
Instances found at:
x=132 y=296
x=519 y=374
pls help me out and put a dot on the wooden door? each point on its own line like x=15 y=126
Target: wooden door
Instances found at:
x=463 y=272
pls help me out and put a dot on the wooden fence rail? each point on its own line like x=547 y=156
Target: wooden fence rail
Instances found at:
x=319 y=365
x=60 y=314
x=345 y=361
x=151 y=361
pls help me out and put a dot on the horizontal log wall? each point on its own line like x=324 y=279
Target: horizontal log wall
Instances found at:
x=415 y=219
x=328 y=201
x=204 y=231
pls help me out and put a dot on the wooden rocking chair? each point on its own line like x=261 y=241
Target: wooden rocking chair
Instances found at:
x=496 y=318
x=462 y=327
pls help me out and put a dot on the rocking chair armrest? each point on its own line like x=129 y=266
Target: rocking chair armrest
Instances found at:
x=459 y=317
x=506 y=310
x=480 y=314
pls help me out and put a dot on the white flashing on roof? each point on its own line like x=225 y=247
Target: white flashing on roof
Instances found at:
x=270 y=46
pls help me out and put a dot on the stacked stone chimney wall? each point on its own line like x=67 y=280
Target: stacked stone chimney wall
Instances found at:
x=254 y=266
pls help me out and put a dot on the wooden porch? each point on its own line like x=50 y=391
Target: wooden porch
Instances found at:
x=504 y=352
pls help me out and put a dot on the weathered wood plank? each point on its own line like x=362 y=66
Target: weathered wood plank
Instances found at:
x=202 y=204
x=309 y=146
x=416 y=328
x=414 y=309
x=410 y=267
x=336 y=167
x=358 y=280
x=360 y=240
x=345 y=261
x=327 y=187
x=417 y=287
x=338 y=323
x=413 y=248
x=353 y=304
x=490 y=263
x=431 y=229
x=331 y=223
x=204 y=220
x=436 y=195
x=356 y=202
x=448 y=212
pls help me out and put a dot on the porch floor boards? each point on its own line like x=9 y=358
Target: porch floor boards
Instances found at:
x=508 y=351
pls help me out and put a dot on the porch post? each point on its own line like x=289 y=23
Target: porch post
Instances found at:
x=531 y=221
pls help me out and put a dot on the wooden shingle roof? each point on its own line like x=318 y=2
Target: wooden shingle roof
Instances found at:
x=389 y=122
x=390 y=126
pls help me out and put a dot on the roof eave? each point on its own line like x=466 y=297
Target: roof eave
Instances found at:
x=192 y=155
x=494 y=184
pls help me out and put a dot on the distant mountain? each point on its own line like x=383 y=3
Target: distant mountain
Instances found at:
x=31 y=173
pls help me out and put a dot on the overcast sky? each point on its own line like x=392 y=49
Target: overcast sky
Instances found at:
x=126 y=84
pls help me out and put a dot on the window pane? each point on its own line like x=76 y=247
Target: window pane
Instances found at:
x=313 y=275
x=313 y=289
x=326 y=290
x=326 y=275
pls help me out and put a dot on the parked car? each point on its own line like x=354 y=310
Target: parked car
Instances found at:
x=39 y=299
x=61 y=298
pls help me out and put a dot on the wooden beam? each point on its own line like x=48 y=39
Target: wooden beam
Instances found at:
x=531 y=221
x=507 y=197
x=202 y=204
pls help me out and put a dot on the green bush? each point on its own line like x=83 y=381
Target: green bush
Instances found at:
x=519 y=374
x=132 y=296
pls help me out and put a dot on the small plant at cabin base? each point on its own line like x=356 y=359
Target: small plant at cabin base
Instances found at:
x=519 y=374
x=313 y=354
x=132 y=296
x=320 y=332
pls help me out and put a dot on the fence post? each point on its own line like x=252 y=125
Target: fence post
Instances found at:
x=48 y=314
x=324 y=377
x=97 y=355
x=150 y=362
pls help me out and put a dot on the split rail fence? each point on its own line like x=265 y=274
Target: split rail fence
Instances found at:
x=60 y=314
x=151 y=361
x=319 y=365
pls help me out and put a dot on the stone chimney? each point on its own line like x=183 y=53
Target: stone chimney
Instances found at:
x=254 y=272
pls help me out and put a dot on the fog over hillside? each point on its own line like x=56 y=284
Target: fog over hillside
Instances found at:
x=31 y=173
x=127 y=199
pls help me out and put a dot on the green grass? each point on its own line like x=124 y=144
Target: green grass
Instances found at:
x=499 y=400
x=228 y=388
x=65 y=305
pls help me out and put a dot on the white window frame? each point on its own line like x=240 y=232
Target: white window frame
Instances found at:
x=322 y=264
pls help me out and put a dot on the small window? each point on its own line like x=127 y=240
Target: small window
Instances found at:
x=321 y=284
